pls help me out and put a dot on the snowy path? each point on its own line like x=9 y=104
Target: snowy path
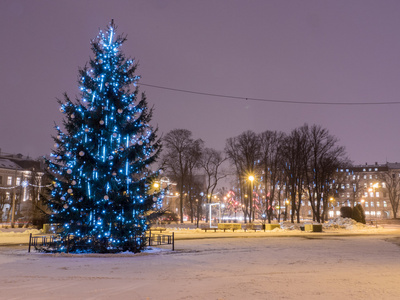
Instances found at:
x=325 y=267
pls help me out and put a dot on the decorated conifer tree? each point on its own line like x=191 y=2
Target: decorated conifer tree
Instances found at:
x=101 y=160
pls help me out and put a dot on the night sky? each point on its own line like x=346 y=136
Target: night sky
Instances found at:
x=321 y=51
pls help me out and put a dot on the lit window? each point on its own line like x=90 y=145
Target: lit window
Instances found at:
x=365 y=176
x=18 y=181
x=366 y=204
x=348 y=185
x=378 y=204
x=338 y=213
x=383 y=185
x=309 y=203
x=376 y=169
x=378 y=213
x=384 y=204
x=377 y=194
x=372 y=204
x=365 y=194
x=367 y=212
x=9 y=180
x=370 y=176
x=371 y=194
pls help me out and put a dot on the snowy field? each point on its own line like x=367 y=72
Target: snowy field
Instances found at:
x=361 y=263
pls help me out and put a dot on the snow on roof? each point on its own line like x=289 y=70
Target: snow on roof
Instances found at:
x=8 y=164
x=395 y=165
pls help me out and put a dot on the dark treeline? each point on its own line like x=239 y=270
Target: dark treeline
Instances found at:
x=272 y=170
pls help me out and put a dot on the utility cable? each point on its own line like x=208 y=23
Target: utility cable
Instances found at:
x=267 y=100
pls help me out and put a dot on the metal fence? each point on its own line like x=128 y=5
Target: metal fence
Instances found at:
x=54 y=243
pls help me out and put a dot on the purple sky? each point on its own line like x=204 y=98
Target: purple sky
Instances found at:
x=323 y=51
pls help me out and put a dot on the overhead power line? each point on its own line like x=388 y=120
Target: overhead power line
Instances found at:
x=267 y=100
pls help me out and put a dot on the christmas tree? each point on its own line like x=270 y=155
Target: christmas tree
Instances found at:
x=101 y=161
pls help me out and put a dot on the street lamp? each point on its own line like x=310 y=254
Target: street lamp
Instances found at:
x=372 y=190
x=251 y=179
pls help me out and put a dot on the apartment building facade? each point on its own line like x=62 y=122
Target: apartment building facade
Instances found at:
x=19 y=177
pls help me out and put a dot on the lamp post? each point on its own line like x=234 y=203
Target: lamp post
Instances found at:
x=372 y=190
x=251 y=179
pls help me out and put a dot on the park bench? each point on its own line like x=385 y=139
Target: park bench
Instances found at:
x=229 y=226
x=246 y=227
x=160 y=229
x=311 y=227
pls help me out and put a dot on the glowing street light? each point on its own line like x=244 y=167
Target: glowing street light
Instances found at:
x=251 y=179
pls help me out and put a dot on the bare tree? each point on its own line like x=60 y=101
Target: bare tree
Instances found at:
x=192 y=181
x=177 y=160
x=296 y=152
x=357 y=188
x=244 y=151
x=270 y=163
x=325 y=158
x=3 y=202
x=391 y=179
x=211 y=162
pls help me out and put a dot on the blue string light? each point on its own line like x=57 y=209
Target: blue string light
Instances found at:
x=101 y=162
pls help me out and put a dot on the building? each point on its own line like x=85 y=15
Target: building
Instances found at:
x=20 y=184
x=372 y=186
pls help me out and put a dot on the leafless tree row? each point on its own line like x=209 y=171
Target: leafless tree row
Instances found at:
x=191 y=165
x=288 y=170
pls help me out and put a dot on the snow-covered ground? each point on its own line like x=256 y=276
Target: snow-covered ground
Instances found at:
x=360 y=262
